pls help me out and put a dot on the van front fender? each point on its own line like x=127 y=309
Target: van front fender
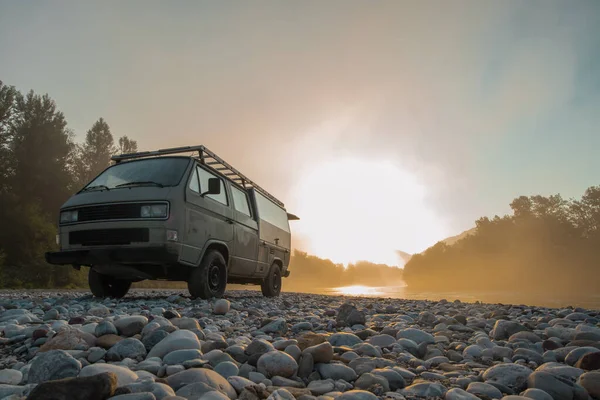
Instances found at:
x=221 y=246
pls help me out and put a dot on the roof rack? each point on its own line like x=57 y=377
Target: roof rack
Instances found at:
x=209 y=159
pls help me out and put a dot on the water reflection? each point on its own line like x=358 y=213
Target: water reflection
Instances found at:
x=544 y=299
x=358 y=290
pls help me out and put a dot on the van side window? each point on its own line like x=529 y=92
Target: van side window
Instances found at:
x=271 y=213
x=240 y=201
x=204 y=176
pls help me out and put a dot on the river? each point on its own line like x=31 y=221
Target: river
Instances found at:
x=545 y=299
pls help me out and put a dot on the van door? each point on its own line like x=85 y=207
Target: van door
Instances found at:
x=208 y=217
x=245 y=228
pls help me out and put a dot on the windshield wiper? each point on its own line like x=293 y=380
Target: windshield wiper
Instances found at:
x=140 y=183
x=95 y=187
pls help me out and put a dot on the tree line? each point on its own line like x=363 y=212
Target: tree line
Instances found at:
x=546 y=244
x=309 y=272
x=41 y=165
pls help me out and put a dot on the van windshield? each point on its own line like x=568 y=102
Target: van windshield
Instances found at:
x=161 y=171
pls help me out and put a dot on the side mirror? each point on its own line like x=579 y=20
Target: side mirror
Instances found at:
x=214 y=186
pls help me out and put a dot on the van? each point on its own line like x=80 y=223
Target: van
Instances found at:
x=165 y=215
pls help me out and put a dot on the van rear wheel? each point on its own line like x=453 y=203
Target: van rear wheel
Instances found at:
x=210 y=278
x=107 y=286
x=271 y=286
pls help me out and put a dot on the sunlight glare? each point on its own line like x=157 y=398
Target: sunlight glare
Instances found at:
x=357 y=290
x=352 y=210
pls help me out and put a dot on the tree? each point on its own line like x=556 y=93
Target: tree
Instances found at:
x=94 y=155
x=36 y=148
x=127 y=145
x=7 y=112
x=521 y=206
x=40 y=146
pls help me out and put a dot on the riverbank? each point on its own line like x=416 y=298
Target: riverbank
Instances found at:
x=294 y=346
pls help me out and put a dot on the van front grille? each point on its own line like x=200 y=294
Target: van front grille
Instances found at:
x=100 y=237
x=109 y=211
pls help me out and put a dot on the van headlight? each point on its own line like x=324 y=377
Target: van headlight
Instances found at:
x=68 y=216
x=154 y=211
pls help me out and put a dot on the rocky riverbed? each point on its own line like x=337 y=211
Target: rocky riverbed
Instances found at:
x=163 y=345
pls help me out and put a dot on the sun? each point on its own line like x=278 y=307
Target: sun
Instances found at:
x=352 y=209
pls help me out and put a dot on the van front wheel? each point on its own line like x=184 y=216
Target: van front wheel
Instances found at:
x=210 y=278
x=271 y=286
x=107 y=286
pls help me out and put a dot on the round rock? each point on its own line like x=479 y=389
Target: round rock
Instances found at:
x=178 y=340
x=277 y=363
x=129 y=326
x=127 y=348
x=53 y=365
x=221 y=307
x=124 y=375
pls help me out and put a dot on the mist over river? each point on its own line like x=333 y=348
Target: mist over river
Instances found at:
x=547 y=299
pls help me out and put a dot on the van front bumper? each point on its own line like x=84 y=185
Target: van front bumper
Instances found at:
x=142 y=255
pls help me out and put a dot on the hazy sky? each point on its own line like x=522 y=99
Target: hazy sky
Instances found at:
x=471 y=103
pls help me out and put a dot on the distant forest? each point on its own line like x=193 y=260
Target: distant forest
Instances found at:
x=311 y=272
x=547 y=243
x=41 y=166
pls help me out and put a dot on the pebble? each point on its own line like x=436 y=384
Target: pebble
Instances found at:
x=321 y=353
x=52 y=365
x=201 y=375
x=132 y=325
x=277 y=363
x=124 y=375
x=128 y=348
x=161 y=344
x=105 y=328
x=537 y=394
x=178 y=340
x=459 y=394
x=10 y=377
x=227 y=369
x=134 y=396
x=484 y=390
x=180 y=356
x=513 y=376
x=222 y=307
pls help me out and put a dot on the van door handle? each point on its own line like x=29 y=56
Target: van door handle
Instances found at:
x=229 y=221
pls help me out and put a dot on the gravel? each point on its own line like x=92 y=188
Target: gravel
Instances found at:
x=160 y=344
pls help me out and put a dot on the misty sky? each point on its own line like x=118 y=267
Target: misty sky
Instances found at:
x=475 y=102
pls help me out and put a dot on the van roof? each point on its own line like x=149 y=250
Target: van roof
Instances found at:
x=208 y=158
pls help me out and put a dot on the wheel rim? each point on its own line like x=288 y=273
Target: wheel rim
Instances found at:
x=277 y=281
x=214 y=277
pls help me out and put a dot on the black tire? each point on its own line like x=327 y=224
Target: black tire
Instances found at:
x=271 y=286
x=107 y=286
x=210 y=278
